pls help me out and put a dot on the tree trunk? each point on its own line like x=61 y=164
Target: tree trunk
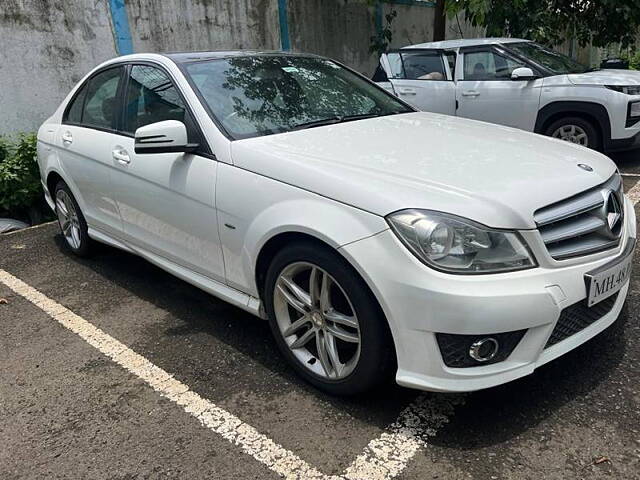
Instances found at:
x=439 y=21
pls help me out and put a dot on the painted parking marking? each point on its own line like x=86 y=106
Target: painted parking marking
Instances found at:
x=383 y=459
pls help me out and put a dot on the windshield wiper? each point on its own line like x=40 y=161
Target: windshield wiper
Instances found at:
x=333 y=120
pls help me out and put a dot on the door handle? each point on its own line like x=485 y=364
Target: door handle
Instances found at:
x=470 y=93
x=406 y=91
x=121 y=156
x=67 y=138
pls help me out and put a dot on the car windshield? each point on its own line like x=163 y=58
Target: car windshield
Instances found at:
x=553 y=61
x=261 y=95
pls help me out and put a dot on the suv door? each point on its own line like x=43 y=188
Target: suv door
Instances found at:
x=422 y=79
x=166 y=200
x=486 y=92
x=84 y=143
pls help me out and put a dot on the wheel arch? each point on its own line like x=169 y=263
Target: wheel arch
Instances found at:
x=590 y=111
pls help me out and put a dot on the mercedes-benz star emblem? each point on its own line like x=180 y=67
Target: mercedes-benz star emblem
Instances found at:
x=585 y=167
x=614 y=213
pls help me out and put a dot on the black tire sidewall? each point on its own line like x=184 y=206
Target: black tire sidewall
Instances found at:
x=376 y=354
x=85 y=241
x=595 y=142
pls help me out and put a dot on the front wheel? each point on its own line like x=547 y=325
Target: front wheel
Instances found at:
x=575 y=130
x=325 y=320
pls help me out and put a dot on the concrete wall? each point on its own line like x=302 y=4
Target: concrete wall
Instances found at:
x=45 y=48
x=48 y=45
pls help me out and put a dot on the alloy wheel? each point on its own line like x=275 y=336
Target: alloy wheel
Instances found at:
x=572 y=134
x=317 y=320
x=68 y=219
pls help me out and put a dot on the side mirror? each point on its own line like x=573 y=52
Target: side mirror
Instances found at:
x=523 y=73
x=169 y=136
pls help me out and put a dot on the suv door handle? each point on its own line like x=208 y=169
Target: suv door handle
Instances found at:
x=67 y=138
x=470 y=93
x=406 y=91
x=121 y=156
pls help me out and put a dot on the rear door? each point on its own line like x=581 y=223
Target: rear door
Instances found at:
x=422 y=79
x=85 y=141
x=486 y=92
x=166 y=200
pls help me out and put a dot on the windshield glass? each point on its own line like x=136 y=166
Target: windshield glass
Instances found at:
x=262 y=95
x=555 y=62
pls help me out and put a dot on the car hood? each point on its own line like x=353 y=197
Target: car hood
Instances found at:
x=494 y=175
x=620 y=78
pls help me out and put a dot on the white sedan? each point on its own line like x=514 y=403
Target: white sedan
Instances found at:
x=376 y=239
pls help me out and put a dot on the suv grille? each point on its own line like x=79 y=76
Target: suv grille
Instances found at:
x=579 y=316
x=585 y=223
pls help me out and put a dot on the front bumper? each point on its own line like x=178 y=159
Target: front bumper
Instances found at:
x=420 y=302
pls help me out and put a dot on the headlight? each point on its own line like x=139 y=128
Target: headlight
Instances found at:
x=457 y=245
x=632 y=90
x=634 y=109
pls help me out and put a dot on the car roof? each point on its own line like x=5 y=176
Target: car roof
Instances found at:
x=466 y=42
x=185 y=57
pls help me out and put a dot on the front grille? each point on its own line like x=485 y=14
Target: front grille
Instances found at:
x=455 y=348
x=579 y=316
x=586 y=223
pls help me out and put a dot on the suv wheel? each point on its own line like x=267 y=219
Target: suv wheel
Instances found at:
x=71 y=220
x=326 y=321
x=575 y=130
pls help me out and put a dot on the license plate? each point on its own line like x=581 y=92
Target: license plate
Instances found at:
x=608 y=279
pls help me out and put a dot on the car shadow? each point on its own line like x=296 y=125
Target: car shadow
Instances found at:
x=487 y=417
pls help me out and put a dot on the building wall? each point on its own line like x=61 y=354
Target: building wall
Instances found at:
x=48 y=45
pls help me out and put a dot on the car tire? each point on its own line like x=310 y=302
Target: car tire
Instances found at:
x=71 y=220
x=359 y=367
x=575 y=130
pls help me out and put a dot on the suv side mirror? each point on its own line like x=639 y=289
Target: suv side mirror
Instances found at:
x=523 y=73
x=169 y=136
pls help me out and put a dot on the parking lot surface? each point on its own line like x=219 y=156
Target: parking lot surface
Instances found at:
x=84 y=405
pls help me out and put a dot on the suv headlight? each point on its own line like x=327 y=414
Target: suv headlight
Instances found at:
x=631 y=90
x=457 y=245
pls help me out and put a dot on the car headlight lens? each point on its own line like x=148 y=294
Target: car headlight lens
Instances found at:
x=631 y=90
x=634 y=110
x=457 y=245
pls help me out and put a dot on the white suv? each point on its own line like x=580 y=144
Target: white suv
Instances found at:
x=454 y=254
x=520 y=84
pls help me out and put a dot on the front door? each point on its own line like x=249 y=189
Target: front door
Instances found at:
x=486 y=92
x=166 y=200
x=421 y=78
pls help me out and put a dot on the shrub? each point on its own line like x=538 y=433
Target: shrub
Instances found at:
x=634 y=61
x=20 y=186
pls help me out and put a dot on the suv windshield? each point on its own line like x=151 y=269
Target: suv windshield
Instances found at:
x=261 y=95
x=555 y=62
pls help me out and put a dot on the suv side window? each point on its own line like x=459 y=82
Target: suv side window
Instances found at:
x=423 y=66
x=488 y=65
x=151 y=97
x=73 y=113
x=100 y=107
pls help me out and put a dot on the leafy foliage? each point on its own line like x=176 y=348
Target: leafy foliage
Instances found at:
x=20 y=185
x=552 y=21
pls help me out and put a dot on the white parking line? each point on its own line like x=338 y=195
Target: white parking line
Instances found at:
x=383 y=459
x=230 y=427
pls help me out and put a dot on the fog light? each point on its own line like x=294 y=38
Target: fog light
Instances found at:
x=484 y=350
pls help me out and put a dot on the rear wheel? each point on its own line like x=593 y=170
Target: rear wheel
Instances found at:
x=326 y=321
x=575 y=130
x=71 y=221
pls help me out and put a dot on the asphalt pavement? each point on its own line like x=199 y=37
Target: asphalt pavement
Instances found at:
x=84 y=405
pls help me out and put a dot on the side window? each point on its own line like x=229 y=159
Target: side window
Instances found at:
x=74 y=110
x=100 y=107
x=488 y=65
x=151 y=97
x=396 y=65
x=451 y=60
x=423 y=66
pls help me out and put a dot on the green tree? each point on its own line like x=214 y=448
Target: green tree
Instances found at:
x=601 y=22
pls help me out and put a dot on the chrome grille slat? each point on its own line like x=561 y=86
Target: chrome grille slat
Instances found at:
x=579 y=225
